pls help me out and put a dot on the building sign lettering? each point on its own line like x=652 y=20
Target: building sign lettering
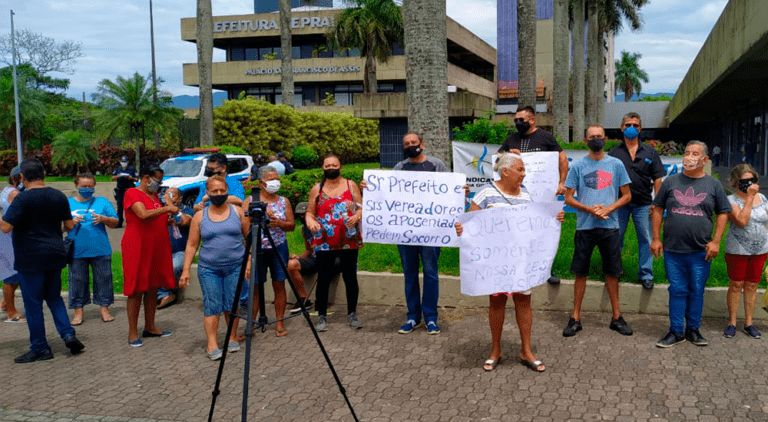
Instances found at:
x=324 y=69
x=268 y=25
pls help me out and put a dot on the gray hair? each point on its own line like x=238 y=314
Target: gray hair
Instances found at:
x=703 y=146
x=506 y=160
x=631 y=115
x=263 y=170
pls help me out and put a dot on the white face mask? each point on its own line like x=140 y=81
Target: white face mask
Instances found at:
x=272 y=186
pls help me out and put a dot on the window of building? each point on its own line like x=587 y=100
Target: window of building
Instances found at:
x=309 y=95
x=353 y=52
x=296 y=52
x=264 y=53
x=306 y=51
x=341 y=53
x=251 y=54
x=397 y=50
x=328 y=53
x=386 y=88
x=278 y=53
x=237 y=53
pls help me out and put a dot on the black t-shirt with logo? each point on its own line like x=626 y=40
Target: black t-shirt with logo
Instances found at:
x=539 y=140
x=646 y=168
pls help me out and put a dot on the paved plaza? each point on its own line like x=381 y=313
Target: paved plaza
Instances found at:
x=597 y=375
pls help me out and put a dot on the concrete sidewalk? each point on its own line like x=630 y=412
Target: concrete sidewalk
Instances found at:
x=597 y=375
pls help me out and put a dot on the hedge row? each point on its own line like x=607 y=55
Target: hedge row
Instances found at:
x=259 y=127
x=296 y=186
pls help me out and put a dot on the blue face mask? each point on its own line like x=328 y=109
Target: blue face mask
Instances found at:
x=86 y=193
x=631 y=133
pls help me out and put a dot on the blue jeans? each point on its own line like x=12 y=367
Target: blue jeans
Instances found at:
x=642 y=219
x=218 y=286
x=103 y=292
x=427 y=304
x=687 y=274
x=178 y=265
x=37 y=287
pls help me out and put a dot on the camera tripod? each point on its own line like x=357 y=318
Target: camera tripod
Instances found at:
x=254 y=251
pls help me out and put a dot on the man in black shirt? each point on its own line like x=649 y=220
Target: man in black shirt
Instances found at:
x=645 y=170
x=35 y=216
x=529 y=138
x=126 y=178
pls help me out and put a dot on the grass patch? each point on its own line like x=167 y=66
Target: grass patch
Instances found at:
x=99 y=178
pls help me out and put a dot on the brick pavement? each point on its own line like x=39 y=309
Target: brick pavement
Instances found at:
x=597 y=375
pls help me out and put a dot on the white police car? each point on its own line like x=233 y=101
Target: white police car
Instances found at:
x=187 y=172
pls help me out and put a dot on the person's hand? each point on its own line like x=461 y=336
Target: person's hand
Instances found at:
x=753 y=190
x=363 y=184
x=184 y=279
x=293 y=256
x=515 y=151
x=466 y=191
x=459 y=228
x=602 y=213
x=313 y=226
x=270 y=213
x=560 y=189
x=173 y=209
x=560 y=216
x=248 y=271
x=78 y=219
x=98 y=218
x=598 y=211
x=274 y=222
x=199 y=206
x=713 y=248
x=657 y=248
x=352 y=221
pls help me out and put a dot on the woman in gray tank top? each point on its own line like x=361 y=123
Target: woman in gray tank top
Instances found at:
x=219 y=230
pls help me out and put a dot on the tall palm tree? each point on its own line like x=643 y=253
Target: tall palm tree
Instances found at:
x=127 y=106
x=372 y=26
x=561 y=39
x=578 y=69
x=204 y=36
x=526 y=52
x=590 y=90
x=629 y=74
x=73 y=148
x=426 y=67
x=286 y=53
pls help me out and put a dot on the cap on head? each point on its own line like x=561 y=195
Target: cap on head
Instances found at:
x=301 y=207
x=280 y=154
x=15 y=171
x=124 y=159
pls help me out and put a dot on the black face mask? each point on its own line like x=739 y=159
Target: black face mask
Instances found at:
x=331 y=173
x=596 y=144
x=522 y=127
x=744 y=184
x=412 y=151
x=218 y=199
x=209 y=172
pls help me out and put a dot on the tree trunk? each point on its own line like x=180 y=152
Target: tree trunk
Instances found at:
x=578 y=70
x=526 y=52
x=426 y=67
x=286 y=49
x=590 y=89
x=204 y=35
x=561 y=38
x=601 y=80
x=370 y=82
x=137 y=151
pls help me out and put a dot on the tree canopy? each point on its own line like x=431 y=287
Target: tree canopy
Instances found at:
x=45 y=54
x=629 y=74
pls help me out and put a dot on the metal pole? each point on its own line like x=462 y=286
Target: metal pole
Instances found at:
x=19 y=149
x=154 y=72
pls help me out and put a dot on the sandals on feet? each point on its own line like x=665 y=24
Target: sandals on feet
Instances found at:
x=535 y=366
x=491 y=364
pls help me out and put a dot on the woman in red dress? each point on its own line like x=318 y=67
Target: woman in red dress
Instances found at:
x=146 y=245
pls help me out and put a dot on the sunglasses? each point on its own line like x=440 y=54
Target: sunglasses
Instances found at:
x=519 y=120
x=634 y=125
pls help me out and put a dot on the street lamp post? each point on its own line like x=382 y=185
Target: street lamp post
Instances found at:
x=20 y=150
x=154 y=72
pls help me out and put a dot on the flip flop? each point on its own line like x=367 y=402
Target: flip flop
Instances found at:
x=17 y=318
x=534 y=365
x=492 y=364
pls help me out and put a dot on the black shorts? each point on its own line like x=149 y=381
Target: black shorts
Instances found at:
x=308 y=265
x=607 y=242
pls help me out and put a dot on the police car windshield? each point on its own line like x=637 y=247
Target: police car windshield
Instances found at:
x=181 y=168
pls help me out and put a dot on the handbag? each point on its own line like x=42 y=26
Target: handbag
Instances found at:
x=69 y=243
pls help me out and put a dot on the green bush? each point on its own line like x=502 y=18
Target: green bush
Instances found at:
x=259 y=127
x=609 y=145
x=304 y=157
x=484 y=131
x=231 y=149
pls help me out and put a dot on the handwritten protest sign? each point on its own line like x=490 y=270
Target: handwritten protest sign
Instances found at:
x=412 y=207
x=6 y=257
x=542 y=174
x=508 y=249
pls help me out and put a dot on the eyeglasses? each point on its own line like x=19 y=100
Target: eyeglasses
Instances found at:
x=519 y=120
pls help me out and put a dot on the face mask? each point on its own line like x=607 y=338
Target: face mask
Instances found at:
x=744 y=184
x=272 y=186
x=218 y=199
x=331 y=173
x=86 y=193
x=153 y=186
x=209 y=172
x=631 y=133
x=123 y=164
x=413 y=151
x=691 y=163
x=522 y=127
x=596 y=144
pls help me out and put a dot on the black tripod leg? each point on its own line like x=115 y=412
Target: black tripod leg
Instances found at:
x=232 y=317
x=312 y=327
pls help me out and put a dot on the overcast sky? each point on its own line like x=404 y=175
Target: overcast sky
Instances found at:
x=115 y=35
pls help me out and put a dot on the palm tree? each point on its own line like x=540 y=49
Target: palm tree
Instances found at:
x=372 y=26
x=629 y=74
x=73 y=148
x=286 y=50
x=578 y=70
x=526 y=51
x=561 y=38
x=204 y=36
x=591 y=83
x=127 y=105
x=426 y=67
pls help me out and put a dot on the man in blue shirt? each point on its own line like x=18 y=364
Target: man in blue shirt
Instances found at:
x=602 y=185
x=179 y=232
x=217 y=165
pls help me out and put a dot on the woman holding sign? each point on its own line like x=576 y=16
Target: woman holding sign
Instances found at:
x=332 y=216
x=503 y=193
